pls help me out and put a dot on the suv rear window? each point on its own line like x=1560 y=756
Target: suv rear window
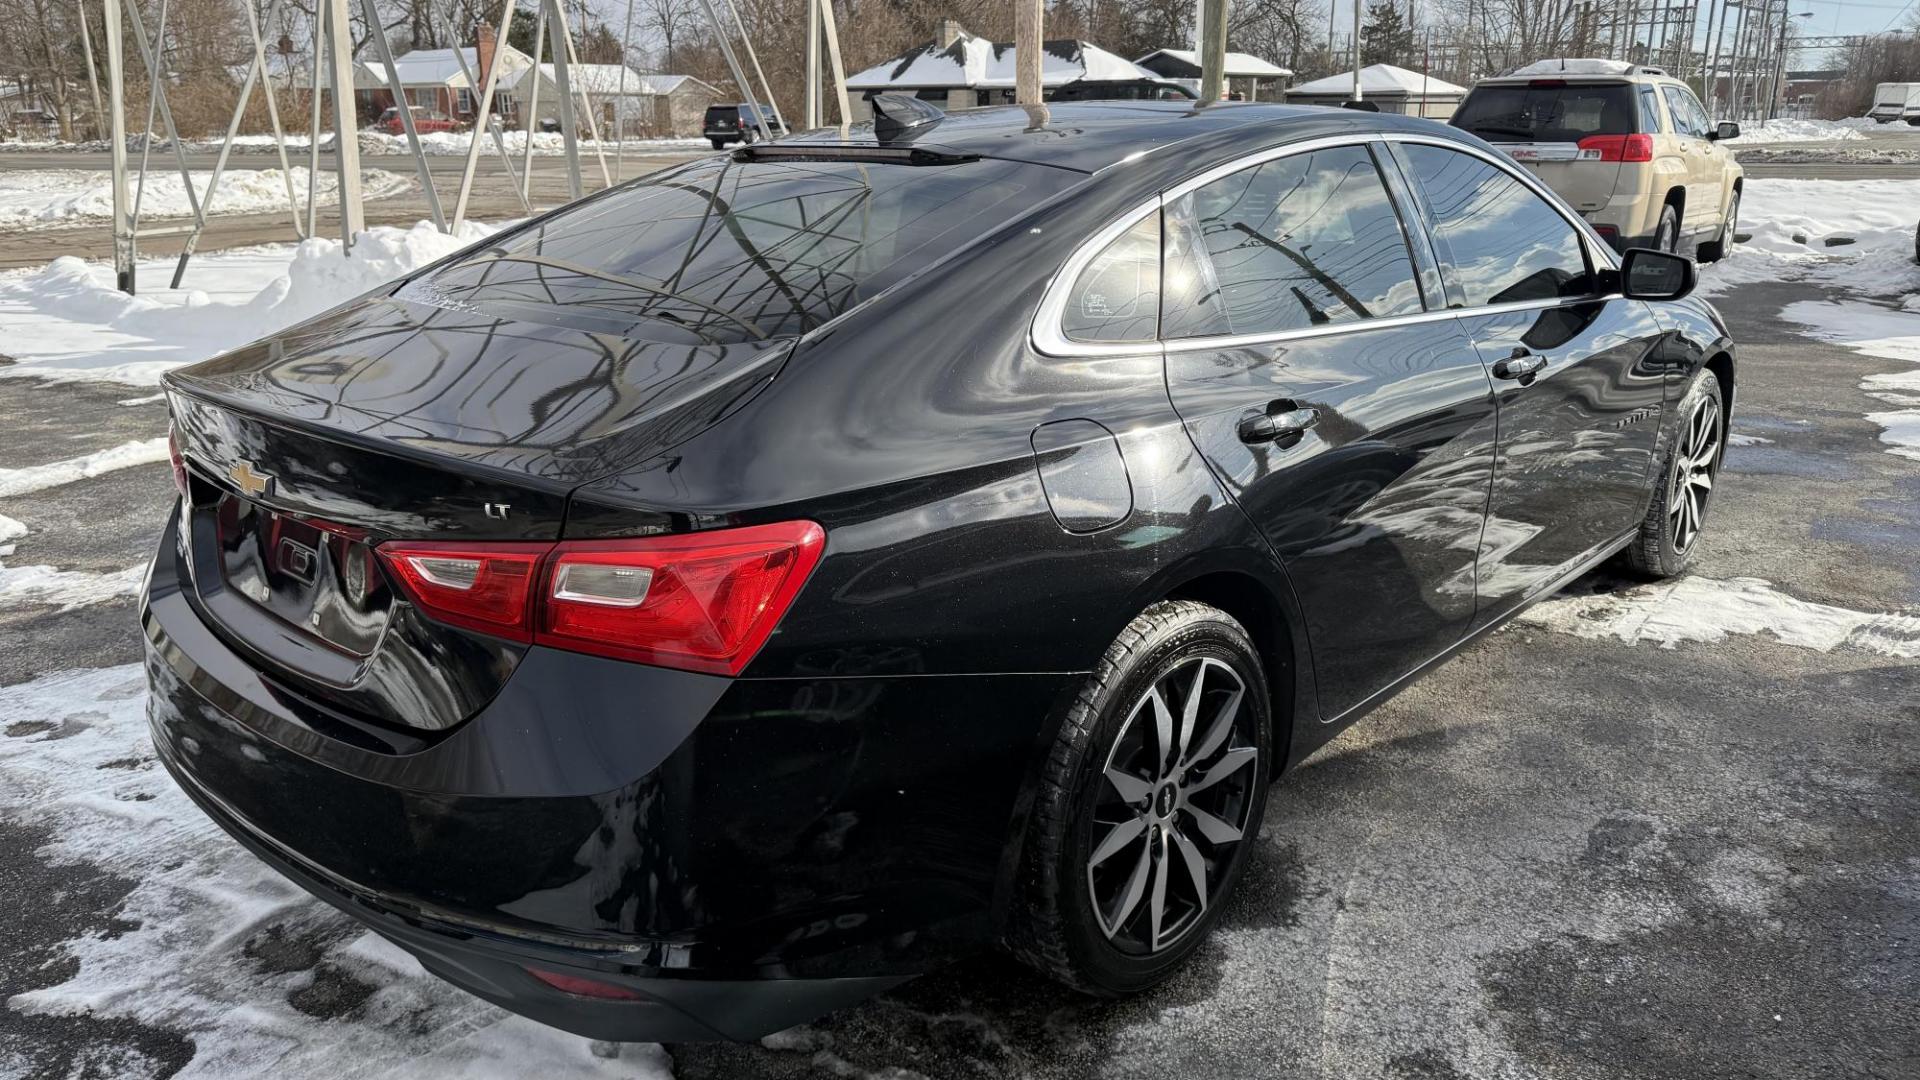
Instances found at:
x=1535 y=113
x=724 y=251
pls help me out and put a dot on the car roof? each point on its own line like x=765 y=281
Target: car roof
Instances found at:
x=1092 y=135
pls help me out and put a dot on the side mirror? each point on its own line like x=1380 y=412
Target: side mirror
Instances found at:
x=1646 y=274
x=1724 y=130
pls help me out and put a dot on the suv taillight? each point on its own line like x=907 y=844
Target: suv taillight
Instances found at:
x=697 y=601
x=1616 y=148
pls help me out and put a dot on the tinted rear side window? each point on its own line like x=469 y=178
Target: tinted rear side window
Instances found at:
x=1498 y=241
x=729 y=251
x=1546 y=113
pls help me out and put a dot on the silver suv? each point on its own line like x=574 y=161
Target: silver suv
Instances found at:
x=1628 y=146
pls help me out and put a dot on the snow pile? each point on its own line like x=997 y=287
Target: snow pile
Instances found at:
x=45 y=197
x=32 y=478
x=1794 y=227
x=1706 y=610
x=545 y=143
x=67 y=321
x=1786 y=129
x=212 y=944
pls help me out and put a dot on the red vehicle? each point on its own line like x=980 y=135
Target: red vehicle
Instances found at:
x=424 y=121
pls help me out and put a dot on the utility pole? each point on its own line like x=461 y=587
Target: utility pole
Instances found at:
x=117 y=135
x=346 y=139
x=810 y=103
x=1356 y=50
x=1028 y=16
x=1213 y=50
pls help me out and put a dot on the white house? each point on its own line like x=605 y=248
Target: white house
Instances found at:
x=960 y=70
x=1183 y=66
x=1394 y=89
x=641 y=104
x=434 y=78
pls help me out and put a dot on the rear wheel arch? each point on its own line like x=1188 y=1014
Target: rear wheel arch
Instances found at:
x=1254 y=606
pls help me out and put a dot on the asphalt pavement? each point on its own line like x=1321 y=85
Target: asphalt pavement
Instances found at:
x=1555 y=857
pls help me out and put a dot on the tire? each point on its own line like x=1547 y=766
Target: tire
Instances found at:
x=1718 y=248
x=1666 y=235
x=1121 y=920
x=718 y=144
x=1689 y=466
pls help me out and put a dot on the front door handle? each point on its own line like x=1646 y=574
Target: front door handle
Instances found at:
x=1280 y=422
x=1522 y=366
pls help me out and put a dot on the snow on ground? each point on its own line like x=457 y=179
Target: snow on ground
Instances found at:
x=1792 y=222
x=39 y=477
x=1786 y=129
x=67 y=321
x=193 y=945
x=1875 y=331
x=1707 y=610
x=41 y=198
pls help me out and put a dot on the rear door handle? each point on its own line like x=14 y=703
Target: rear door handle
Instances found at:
x=1522 y=366
x=1281 y=421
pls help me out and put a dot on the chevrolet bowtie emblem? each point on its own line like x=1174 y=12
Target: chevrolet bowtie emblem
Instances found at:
x=249 y=481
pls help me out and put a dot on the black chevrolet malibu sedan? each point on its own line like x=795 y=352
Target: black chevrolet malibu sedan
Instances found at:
x=737 y=592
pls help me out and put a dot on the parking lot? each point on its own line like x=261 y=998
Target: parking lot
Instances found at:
x=1668 y=831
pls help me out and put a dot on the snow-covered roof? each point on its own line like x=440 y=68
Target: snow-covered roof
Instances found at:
x=1239 y=65
x=601 y=80
x=1574 y=66
x=437 y=67
x=1377 y=79
x=667 y=84
x=975 y=62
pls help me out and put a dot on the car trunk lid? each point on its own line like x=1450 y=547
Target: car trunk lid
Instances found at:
x=402 y=419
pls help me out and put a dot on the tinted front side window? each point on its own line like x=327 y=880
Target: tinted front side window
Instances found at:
x=1300 y=241
x=1499 y=242
x=1546 y=113
x=727 y=251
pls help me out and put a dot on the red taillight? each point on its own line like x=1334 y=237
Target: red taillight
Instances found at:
x=177 y=459
x=484 y=587
x=1616 y=148
x=593 y=988
x=698 y=601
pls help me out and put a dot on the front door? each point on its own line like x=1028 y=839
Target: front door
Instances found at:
x=1352 y=424
x=1578 y=390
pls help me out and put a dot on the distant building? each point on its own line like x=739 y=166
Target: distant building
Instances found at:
x=959 y=70
x=1393 y=89
x=435 y=78
x=1183 y=66
x=642 y=105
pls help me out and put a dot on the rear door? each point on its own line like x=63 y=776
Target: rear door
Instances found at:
x=1336 y=399
x=1578 y=392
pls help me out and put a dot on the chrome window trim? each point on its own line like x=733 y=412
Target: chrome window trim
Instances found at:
x=1048 y=333
x=1048 y=338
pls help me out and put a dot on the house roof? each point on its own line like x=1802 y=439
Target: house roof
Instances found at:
x=1377 y=79
x=602 y=80
x=1239 y=65
x=972 y=61
x=437 y=67
x=667 y=84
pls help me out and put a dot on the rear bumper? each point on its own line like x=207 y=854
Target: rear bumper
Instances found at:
x=743 y=854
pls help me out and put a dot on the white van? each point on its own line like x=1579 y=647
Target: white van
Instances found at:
x=1896 y=101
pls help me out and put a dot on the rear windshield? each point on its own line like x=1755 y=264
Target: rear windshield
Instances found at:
x=729 y=251
x=1547 y=113
x=722 y=112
